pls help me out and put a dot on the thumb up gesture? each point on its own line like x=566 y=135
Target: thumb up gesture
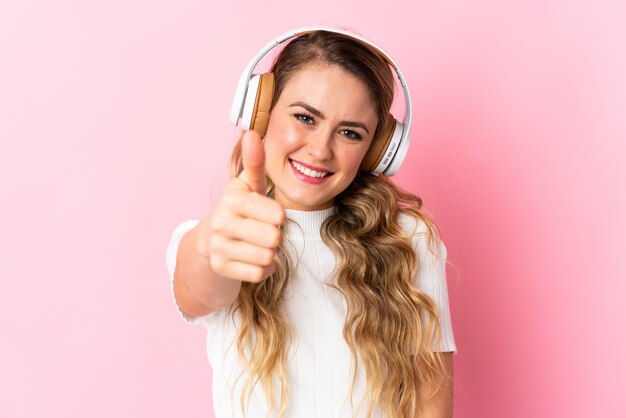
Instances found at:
x=241 y=234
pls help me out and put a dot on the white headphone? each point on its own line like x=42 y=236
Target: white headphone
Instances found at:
x=253 y=99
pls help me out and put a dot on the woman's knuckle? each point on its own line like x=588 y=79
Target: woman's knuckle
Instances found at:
x=215 y=246
x=267 y=257
x=217 y=264
x=275 y=237
x=217 y=223
x=231 y=201
x=258 y=274
x=279 y=213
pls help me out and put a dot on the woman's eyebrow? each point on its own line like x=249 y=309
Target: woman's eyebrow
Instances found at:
x=310 y=109
x=321 y=116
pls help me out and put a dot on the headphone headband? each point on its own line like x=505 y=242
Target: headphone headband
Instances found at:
x=397 y=151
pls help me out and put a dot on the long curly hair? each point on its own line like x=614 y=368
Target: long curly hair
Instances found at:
x=392 y=328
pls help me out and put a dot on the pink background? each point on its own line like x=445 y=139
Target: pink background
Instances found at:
x=113 y=129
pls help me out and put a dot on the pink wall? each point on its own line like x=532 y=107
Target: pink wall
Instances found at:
x=113 y=128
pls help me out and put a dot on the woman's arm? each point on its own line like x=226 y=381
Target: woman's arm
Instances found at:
x=197 y=289
x=441 y=404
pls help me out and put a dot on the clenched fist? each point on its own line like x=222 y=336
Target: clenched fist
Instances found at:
x=241 y=234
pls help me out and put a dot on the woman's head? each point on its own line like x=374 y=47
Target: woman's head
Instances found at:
x=332 y=96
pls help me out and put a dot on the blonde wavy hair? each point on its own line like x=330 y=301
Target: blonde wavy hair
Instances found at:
x=392 y=328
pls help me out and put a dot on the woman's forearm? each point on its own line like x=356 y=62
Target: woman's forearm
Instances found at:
x=197 y=289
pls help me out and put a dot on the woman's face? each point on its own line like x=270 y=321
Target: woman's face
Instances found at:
x=319 y=131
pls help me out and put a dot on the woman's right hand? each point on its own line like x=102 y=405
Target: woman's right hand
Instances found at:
x=241 y=234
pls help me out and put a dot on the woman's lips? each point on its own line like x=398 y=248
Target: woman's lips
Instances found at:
x=309 y=173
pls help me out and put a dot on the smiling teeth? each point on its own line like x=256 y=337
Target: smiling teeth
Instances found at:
x=308 y=171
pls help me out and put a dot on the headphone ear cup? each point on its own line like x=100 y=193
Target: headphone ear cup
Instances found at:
x=258 y=103
x=380 y=144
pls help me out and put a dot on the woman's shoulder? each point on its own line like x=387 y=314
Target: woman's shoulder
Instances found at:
x=424 y=234
x=411 y=224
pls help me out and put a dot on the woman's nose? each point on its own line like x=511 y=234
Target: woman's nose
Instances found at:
x=319 y=146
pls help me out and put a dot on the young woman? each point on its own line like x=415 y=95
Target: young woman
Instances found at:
x=321 y=284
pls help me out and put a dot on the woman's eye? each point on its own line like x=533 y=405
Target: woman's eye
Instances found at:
x=306 y=119
x=351 y=134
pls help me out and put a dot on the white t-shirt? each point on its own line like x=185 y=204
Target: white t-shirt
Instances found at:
x=319 y=363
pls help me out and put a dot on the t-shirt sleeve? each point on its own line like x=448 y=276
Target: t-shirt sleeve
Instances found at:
x=170 y=258
x=431 y=277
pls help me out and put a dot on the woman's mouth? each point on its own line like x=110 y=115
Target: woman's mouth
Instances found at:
x=309 y=172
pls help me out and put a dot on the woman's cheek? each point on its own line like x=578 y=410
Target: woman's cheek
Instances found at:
x=352 y=158
x=282 y=134
x=290 y=136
